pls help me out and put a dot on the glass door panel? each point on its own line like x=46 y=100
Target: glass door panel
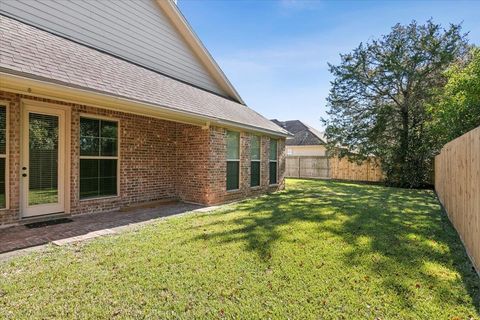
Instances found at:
x=43 y=159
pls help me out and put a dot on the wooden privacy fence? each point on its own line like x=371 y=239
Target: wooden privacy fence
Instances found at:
x=457 y=183
x=332 y=168
x=307 y=167
x=368 y=170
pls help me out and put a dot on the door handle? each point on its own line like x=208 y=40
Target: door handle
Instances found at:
x=24 y=168
x=24 y=175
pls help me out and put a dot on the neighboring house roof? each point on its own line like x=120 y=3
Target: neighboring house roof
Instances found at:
x=303 y=134
x=36 y=54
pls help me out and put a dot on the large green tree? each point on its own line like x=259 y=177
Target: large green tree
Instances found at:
x=457 y=109
x=378 y=102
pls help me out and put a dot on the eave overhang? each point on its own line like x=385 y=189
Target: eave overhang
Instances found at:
x=55 y=90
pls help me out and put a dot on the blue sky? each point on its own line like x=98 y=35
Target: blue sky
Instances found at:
x=276 y=52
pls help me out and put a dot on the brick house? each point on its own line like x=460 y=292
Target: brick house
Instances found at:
x=107 y=104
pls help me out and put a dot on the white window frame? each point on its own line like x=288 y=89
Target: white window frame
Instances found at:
x=270 y=161
x=117 y=157
x=6 y=105
x=259 y=161
x=234 y=160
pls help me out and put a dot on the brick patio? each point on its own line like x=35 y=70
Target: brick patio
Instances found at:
x=20 y=237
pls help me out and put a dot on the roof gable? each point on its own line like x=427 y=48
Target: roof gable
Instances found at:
x=170 y=8
x=150 y=33
x=45 y=58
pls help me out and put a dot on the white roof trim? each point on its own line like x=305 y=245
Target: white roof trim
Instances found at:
x=56 y=91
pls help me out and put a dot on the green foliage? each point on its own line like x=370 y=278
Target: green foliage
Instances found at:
x=379 y=97
x=318 y=250
x=43 y=134
x=457 y=108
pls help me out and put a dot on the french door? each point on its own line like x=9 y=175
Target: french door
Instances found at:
x=42 y=168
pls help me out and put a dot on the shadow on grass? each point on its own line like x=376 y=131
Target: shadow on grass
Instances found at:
x=406 y=231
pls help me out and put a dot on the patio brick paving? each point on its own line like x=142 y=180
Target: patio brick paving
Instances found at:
x=20 y=237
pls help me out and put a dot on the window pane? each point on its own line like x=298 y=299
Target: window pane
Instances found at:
x=108 y=146
x=2 y=183
x=108 y=186
x=89 y=169
x=98 y=137
x=3 y=129
x=273 y=149
x=88 y=188
x=108 y=168
x=89 y=146
x=89 y=127
x=255 y=173
x=107 y=177
x=273 y=172
x=233 y=144
x=233 y=168
x=255 y=147
x=89 y=137
x=98 y=177
x=108 y=129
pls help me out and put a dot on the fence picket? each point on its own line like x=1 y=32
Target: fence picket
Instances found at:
x=457 y=183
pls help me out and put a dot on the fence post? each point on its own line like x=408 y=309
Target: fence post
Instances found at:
x=299 y=167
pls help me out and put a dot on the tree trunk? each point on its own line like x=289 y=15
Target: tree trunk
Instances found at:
x=404 y=147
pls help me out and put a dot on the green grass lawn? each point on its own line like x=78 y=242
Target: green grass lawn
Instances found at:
x=319 y=250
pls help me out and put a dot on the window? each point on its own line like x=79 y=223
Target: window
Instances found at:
x=233 y=160
x=272 y=164
x=98 y=158
x=3 y=155
x=254 y=161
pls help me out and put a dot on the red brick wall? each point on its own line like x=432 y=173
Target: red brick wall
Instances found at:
x=218 y=167
x=147 y=160
x=158 y=159
x=217 y=147
x=191 y=179
x=10 y=215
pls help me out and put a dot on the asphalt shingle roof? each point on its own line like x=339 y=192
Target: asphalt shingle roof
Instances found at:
x=34 y=53
x=303 y=134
